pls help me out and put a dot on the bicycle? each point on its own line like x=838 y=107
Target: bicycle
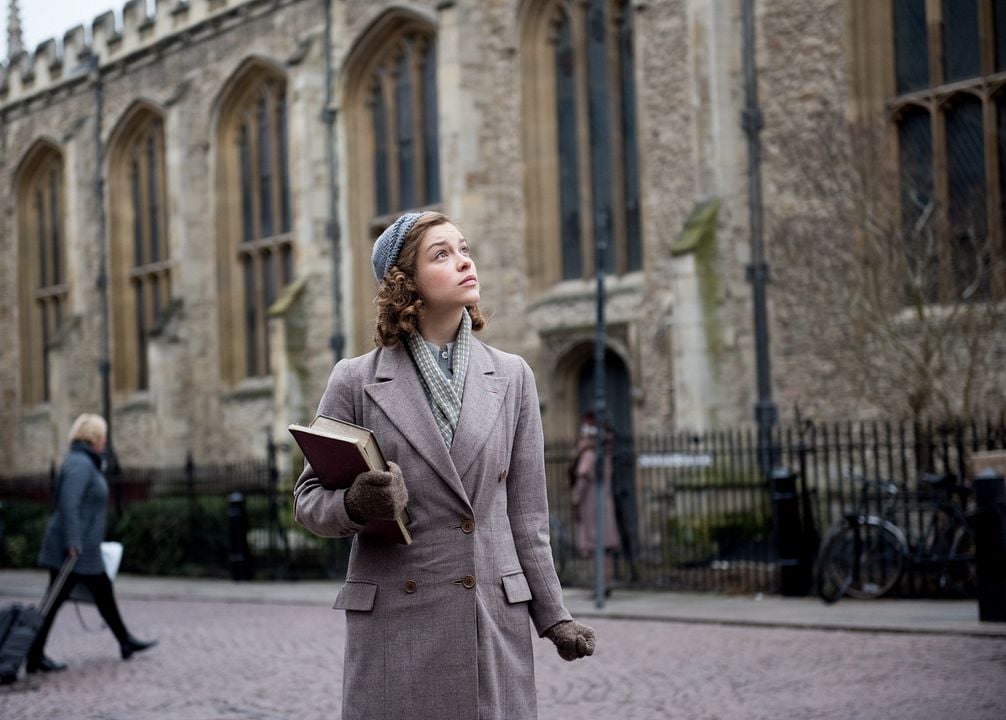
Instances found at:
x=864 y=555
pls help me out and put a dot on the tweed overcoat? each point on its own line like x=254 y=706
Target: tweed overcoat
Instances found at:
x=439 y=629
x=80 y=515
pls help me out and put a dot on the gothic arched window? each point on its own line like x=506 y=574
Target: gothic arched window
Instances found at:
x=580 y=144
x=391 y=101
x=42 y=275
x=256 y=239
x=140 y=257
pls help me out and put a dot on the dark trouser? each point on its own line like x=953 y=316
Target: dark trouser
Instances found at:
x=101 y=588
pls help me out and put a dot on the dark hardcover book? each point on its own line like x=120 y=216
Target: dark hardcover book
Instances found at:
x=339 y=451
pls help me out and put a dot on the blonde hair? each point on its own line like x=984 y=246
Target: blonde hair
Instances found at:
x=90 y=428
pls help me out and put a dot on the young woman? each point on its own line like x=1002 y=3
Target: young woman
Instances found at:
x=76 y=528
x=439 y=628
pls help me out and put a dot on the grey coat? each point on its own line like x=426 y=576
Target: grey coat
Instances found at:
x=80 y=515
x=439 y=628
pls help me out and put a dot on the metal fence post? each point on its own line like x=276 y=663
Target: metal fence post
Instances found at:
x=811 y=533
x=990 y=545
x=3 y=533
x=278 y=567
x=272 y=522
x=237 y=523
x=794 y=570
x=190 y=491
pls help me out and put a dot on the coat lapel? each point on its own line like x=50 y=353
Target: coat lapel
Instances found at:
x=399 y=394
x=483 y=398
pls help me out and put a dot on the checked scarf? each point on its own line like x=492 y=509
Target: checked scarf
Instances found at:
x=445 y=395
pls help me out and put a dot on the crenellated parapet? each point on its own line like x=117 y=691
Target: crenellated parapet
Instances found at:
x=54 y=63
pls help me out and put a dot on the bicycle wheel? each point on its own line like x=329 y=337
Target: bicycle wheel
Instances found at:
x=861 y=560
x=958 y=574
x=831 y=584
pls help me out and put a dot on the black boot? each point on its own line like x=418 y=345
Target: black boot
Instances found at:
x=132 y=645
x=44 y=664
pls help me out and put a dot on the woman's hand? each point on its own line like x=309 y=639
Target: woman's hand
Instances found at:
x=377 y=494
x=572 y=639
x=73 y=552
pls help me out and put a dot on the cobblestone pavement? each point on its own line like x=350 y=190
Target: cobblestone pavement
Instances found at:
x=230 y=660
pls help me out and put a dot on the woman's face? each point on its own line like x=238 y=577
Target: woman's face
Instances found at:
x=445 y=272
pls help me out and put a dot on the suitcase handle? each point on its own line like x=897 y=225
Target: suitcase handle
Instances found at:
x=53 y=590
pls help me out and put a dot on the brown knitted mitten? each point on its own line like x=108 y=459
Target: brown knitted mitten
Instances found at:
x=572 y=639
x=376 y=494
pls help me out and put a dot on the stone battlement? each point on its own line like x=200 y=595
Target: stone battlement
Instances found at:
x=54 y=63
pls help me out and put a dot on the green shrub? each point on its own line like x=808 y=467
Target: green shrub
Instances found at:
x=173 y=536
x=687 y=540
x=24 y=527
x=731 y=530
x=698 y=538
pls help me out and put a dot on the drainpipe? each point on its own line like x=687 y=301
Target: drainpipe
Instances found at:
x=104 y=364
x=337 y=341
x=757 y=270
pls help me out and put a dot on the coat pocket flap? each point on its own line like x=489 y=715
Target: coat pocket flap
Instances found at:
x=516 y=588
x=356 y=595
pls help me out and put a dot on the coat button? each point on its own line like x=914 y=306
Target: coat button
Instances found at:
x=410 y=586
x=468 y=581
x=503 y=476
x=467 y=526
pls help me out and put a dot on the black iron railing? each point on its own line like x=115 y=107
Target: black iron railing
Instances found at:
x=693 y=511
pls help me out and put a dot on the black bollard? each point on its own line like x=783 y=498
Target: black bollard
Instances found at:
x=794 y=569
x=990 y=545
x=237 y=523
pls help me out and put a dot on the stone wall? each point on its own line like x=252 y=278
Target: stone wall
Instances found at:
x=824 y=164
x=183 y=73
x=687 y=343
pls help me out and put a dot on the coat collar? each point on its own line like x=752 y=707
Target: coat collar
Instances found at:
x=399 y=393
x=87 y=449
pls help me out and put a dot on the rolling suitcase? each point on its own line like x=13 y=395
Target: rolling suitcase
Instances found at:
x=19 y=625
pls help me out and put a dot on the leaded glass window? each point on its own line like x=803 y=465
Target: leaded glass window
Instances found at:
x=265 y=253
x=596 y=165
x=949 y=122
x=402 y=102
x=43 y=276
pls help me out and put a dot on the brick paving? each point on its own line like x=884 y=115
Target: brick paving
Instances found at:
x=220 y=660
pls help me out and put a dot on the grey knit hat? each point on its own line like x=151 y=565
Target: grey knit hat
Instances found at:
x=389 y=244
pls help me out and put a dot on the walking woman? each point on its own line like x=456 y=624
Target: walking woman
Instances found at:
x=76 y=528
x=439 y=628
x=584 y=496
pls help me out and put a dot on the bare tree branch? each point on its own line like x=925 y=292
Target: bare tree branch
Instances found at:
x=909 y=294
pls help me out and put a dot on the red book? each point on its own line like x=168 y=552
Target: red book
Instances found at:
x=339 y=451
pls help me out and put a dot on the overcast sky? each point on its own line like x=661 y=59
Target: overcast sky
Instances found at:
x=44 y=19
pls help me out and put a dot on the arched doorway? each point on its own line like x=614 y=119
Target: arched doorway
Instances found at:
x=617 y=392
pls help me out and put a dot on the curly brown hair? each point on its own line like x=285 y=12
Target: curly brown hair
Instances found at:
x=399 y=304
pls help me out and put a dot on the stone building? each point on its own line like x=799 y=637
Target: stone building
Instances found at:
x=193 y=195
